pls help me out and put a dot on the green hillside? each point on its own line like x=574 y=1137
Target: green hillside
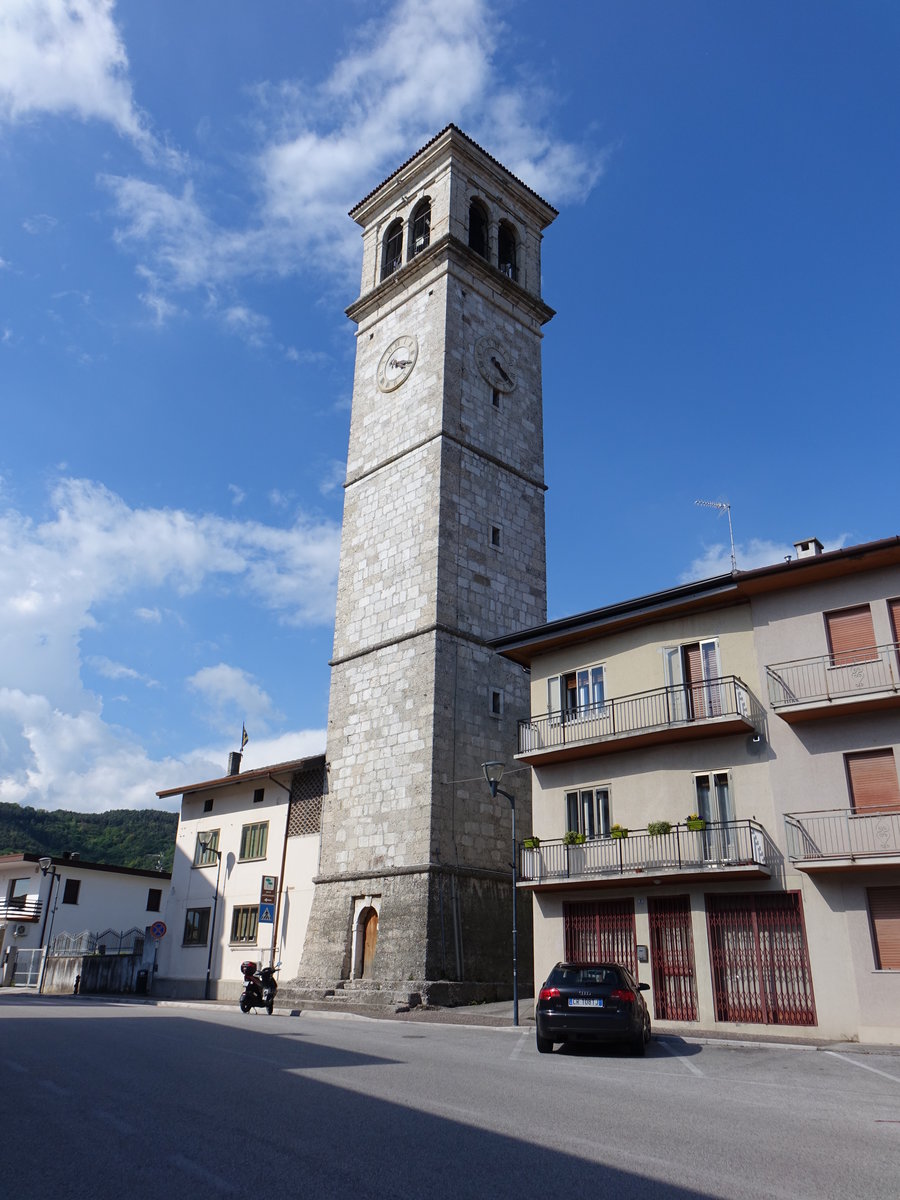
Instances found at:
x=124 y=837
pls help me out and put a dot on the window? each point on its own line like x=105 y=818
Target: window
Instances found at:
x=71 y=890
x=496 y=702
x=495 y=398
x=206 y=856
x=884 y=915
x=258 y=795
x=207 y=805
x=392 y=255
x=692 y=674
x=495 y=536
x=154 y=899
x=420 y=228
x=587 y=812
x=506 y=250
x=713 y=795
x=196 y=927
x=872 y=780
x=894 y=611
x=851 y=637
x=17 y=893
x=478 y=228
x=254 y=839
x=244 y=922
x=579 y=693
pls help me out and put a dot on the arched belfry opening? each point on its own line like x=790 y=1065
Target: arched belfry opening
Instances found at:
x=507 y=259
x=392 y=254
x=420 y=227
x=478 y=228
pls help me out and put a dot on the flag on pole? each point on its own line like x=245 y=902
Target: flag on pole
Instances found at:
x=244 y=738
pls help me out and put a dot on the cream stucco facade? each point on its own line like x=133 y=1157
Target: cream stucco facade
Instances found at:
x=730 y=698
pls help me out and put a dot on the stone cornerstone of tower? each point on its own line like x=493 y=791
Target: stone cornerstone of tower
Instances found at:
x=442 y=549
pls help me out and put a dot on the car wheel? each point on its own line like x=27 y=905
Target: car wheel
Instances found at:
x=639 y=1043
x=544 y=1045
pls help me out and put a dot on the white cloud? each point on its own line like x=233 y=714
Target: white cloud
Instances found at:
x=238 y=495
x=323 y=147
x=113 y=670
x=757 y=552
x=334 y=477
x=232 y=694
x=66 y=56
x=39 y=223
x=148 y=614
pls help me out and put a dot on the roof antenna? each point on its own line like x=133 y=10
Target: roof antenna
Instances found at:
x=726 y=508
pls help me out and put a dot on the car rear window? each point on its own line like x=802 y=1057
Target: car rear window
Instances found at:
x=579 y=976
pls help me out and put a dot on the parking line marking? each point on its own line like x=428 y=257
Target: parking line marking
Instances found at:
x=517 y=1048
x=690 y=1066
x=863 y=1066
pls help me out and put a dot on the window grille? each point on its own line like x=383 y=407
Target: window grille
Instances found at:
x=305 y=812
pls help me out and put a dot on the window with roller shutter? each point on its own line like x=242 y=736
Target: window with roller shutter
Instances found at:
x=872 y=780
x=884 y=914
x=851 y=637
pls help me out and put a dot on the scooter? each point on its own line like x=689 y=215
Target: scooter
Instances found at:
x=259 y=987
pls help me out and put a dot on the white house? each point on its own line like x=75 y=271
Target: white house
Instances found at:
x=246 y=852
x=42 y=898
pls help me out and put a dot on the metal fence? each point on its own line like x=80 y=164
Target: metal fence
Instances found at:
x=110 y=941
x=842 y=833
x=659 y=708
x=721 y=843
x=806 y=679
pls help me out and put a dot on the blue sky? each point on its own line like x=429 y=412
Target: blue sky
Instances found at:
x=176 y=368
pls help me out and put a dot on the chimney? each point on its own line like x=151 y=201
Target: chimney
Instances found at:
x=234 y=762
x=809 y=549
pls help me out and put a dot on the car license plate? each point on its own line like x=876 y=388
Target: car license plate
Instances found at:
x=577 y=1002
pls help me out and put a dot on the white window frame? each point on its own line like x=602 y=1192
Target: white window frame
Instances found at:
x=589 y=680
x=589 y=810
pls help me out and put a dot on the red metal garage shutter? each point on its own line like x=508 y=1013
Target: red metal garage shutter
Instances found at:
x=601 y=931
x=884 y=909
x=672 y=959
x=759 y=959
x=851 y=637
x=873 y=781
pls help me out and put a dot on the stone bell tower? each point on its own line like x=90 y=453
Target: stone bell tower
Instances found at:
x=442 y=549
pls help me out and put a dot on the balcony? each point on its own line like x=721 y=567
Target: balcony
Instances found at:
x=723 y=850
x=810 y=688
x=19 y=909
x=841 y=838
x=710 y=709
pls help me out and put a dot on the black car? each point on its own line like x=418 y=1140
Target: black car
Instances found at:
x=595 y=1002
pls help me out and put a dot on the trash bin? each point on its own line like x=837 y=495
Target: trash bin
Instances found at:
x=140 y=985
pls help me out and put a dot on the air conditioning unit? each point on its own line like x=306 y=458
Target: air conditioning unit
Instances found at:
x=19 y=931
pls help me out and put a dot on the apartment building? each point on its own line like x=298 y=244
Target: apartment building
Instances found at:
x=715 y=794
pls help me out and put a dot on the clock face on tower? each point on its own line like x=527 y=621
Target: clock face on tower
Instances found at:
x=397 y=362
x=494 y=364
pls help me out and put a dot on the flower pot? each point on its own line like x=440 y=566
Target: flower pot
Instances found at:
x=696 y=825
x=619 y=833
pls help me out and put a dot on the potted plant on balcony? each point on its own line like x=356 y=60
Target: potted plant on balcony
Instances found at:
x=659 y=828
x=574 y=844
x=532 y=862
x=618 y=831
x=694 y=821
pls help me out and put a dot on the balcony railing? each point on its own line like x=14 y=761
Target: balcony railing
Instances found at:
x=720 y=844
x=20 y=910
x=842 y=833
x=807 y=680
x=684 y=707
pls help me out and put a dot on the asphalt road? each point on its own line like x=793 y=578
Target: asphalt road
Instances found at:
x=105 y=1099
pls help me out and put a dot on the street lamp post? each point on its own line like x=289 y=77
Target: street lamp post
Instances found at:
x=493 y=773
x=208 y=848
x=47 y=868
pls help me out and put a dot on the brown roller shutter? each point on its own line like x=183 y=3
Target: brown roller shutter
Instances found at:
x=873 y=780
x=894 y=610
x=851 y=637
x=884 y=909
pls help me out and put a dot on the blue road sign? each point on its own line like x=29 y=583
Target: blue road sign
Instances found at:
x=267 y=914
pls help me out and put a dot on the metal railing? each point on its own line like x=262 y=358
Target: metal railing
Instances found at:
x=110 y=941
x=719 y=844
x=20 y=910
x=667 y=707
x=842 y=833
x=823 y=678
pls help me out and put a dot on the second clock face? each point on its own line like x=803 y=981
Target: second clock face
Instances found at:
x=494 y=364
x=397 y=362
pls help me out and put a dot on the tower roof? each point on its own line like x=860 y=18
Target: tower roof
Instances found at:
x=453 y=129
